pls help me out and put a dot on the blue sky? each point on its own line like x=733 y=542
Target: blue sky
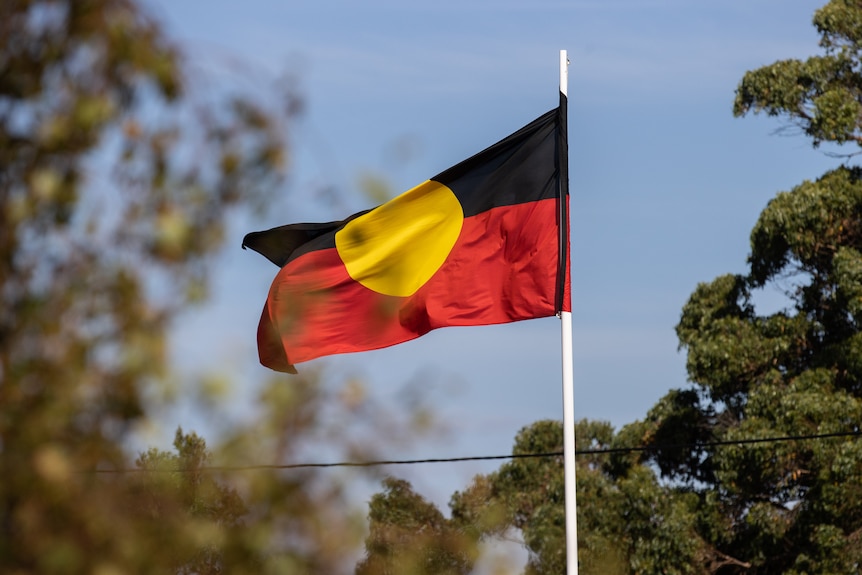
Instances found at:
x=666 y=184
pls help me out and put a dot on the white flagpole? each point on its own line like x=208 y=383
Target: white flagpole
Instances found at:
x=568 y=402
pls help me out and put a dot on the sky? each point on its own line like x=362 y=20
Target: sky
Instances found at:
x=665 y=183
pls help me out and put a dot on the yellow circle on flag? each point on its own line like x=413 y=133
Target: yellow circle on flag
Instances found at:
x=395 y=248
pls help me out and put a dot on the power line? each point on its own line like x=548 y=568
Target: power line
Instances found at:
x=581 y=452
x=389 y=462
x=375 y=463
x=659 y=447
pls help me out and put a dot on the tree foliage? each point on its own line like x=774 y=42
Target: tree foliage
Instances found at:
x=821 y=95
x=408 y=535
x=176 y=488
x=117 y=179
x=788 y=506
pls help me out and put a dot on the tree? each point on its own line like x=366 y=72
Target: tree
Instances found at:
x=788 y=506
x=94 y=263
x=409 y=535
x=206 y=512
x=177 y=489
x=627 y=521
x=821 y=96
x=117 y=181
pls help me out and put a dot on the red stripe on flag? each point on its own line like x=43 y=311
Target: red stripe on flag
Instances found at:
x=502 y=269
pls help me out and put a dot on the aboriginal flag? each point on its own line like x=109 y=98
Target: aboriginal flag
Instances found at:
x=484 y=242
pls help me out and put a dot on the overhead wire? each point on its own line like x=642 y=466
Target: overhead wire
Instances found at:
x=578 y=452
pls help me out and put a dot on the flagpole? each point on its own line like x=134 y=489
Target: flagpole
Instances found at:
x=568 y=396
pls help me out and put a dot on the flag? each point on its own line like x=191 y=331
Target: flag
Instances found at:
x=483 y=242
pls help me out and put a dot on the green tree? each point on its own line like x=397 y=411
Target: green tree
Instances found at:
x=822 y=95
x=627 y=521
x=789 y=507
x=206 y=512
x=409 y=535
x=94 y=262
x=176 y=488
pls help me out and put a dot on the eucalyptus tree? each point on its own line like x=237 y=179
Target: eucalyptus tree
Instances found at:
x=791 y=506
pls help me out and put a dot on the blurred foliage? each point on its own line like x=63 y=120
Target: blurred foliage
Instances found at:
x=409 y=535
x=118 y=175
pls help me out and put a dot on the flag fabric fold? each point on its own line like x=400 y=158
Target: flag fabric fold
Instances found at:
x=483 y=242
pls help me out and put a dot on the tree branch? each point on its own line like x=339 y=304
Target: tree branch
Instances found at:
x=719 y=560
